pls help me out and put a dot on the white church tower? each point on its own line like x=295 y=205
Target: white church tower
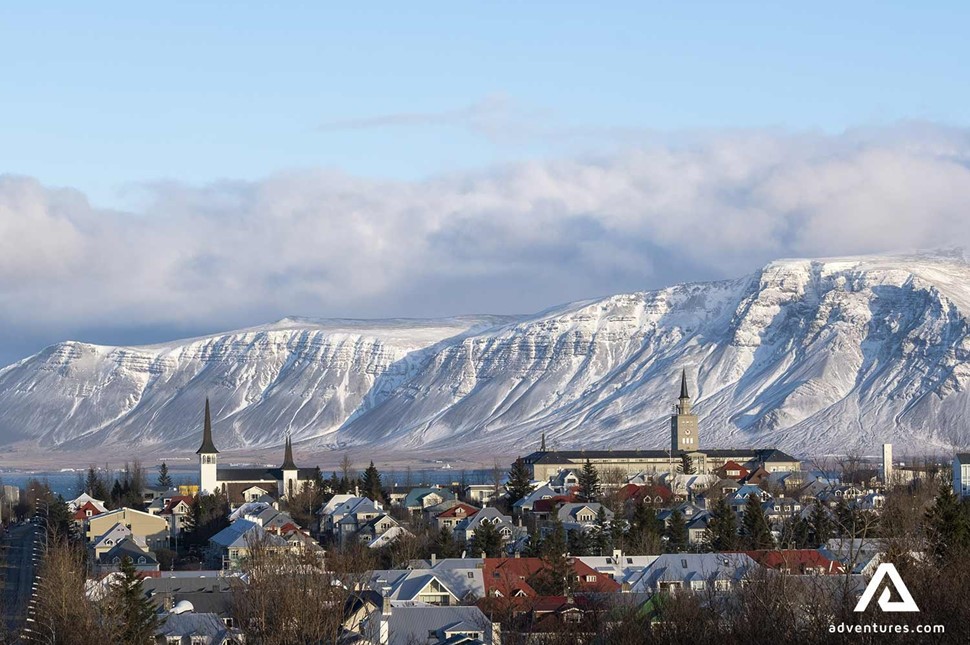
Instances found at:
x=208 y=481
x=290 y=480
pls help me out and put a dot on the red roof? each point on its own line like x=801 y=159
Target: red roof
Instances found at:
x=172 y=503
x=81 y=512
x=733 y=465
x=798 y=561
x=467 y=510
x=509 y=575
x=649 y=492
x=549 y=504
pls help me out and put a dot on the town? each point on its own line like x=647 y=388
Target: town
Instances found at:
x=621 y=546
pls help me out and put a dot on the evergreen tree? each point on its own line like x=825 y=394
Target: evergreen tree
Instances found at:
x=589 y=482
x=580 y=542
x=208 y=516
x=820 y=526
x=686 y=466
x=443 y=544
x=722 y=528
x=948 y=524
x=554 y=544
x=755 y=530
x=371 y=484
x=603 y=537
x=95 y=487
x=164 y=479
x=557 y=576
x=137 y=620
x=645 y=531
x=676 y=532
x=533 y=547
x=486 y=539
x=520 y=482
x=117 y=494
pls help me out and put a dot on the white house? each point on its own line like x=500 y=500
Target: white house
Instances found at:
x=961 y=474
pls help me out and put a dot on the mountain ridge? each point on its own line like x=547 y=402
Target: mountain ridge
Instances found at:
x=807 y=355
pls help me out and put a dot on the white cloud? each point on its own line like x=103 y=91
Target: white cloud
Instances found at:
x=515 y=238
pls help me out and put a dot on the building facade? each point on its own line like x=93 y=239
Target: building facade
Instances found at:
x=684 y=440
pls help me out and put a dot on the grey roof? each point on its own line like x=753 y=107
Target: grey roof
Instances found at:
x=408 y=625
x=963 y=458
x=192 y=624
x=241 y=532
x=128 y=548
x=260 y=475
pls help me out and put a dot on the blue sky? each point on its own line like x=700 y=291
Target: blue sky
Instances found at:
x=410 y=159
x=99 y=97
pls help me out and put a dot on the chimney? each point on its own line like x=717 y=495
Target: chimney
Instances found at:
x=617 y=556
x=434 y=559
x=384 y=624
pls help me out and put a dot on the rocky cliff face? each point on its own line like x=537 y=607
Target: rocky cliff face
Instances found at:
x=813 y=356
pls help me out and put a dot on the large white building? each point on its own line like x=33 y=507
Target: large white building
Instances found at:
x=242 y=485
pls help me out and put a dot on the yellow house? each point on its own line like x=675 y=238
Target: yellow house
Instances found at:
x=152 y=528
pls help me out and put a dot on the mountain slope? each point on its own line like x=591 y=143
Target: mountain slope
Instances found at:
x=813 y=356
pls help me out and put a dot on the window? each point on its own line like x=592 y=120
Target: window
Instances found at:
x=722 y=585
x=697 y=585
x=471 y=575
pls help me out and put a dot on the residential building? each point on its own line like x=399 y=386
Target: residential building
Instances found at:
x=151 y=528
x=961 y=474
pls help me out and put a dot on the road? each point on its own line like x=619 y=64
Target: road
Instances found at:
x=18 y=573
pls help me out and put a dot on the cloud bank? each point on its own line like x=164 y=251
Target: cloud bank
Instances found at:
x=509 y=239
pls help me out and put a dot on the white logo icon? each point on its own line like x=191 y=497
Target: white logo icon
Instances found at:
x=905 y=603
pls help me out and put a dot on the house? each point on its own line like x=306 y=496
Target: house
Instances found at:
x=697 y=528
x=207 y=591
x=395 y=625
x=732 y=470
x=739 y=499
x=515 y=577
x=699 y=572
x=231 y=545
x=143 y=560
x=619 y=567
x=649 y=494
x=342 y=521
x=465 y=529
x=376 y=527
x=177 y=510
x=447 y=582
x=449 y=518
x=182 y=626
x=798 y=562
x=104 y=543
x=152 y=529
x=420 y=498
x=961 y=474
x=542 y=492
x=479 y=493
x=580 y=515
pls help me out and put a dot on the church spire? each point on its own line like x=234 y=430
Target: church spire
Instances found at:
x=288 y=463
x=207 y=447
x=683 y=385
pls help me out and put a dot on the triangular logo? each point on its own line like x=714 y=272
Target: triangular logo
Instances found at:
x=906 y=602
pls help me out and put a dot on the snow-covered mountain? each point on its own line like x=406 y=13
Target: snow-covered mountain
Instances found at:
x=812 y=356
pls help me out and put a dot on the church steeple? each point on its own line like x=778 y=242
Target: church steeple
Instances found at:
x=207 y=447
x=288 y=463
x=683 y=423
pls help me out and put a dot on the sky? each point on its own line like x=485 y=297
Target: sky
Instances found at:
x=183 y=168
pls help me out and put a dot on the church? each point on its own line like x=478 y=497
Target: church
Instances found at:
x=241 y=485
x=684 y=439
